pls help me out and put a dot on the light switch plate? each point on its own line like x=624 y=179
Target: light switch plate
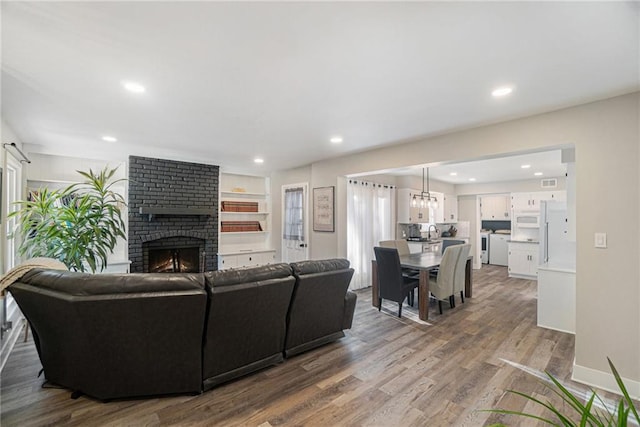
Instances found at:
x=601 y=240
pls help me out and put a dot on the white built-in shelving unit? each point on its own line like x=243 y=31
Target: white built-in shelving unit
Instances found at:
x=245 y=248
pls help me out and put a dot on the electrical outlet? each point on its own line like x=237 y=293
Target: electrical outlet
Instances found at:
x=601 y=240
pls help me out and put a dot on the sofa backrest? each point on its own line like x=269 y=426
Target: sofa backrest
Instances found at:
x=318 y=303
x=85 y=284
x=116 y=335
x=246 y=321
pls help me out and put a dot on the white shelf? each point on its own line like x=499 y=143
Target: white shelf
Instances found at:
x=243 y=213
x=246 y=252
x=54 y=181
x=222 y=233
x=245 y=248
x=240 y=193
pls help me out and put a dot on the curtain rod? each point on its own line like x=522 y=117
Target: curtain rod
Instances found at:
x=13 y=144
x=353 y=181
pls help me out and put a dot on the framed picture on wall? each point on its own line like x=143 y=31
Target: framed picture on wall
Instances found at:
x=323 y=209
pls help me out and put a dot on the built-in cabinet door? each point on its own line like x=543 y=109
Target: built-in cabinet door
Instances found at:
x=530 y=202
x=523 y=259
x=406 y=213
x=246 y=260
x=437 y=215
x=450 y=208
x=268 y=258
x=495 y=208
x=227 y=261
x=415 y=247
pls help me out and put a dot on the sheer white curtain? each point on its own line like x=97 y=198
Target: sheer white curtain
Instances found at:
x=293 y=214
x=371 y=215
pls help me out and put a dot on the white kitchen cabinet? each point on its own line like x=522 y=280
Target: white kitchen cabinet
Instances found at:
x=437 y=215
x=407 y=214
x=450 y=207
x=523 y=260
x=245 y=259
x=415 y=247
x=495 y=208
x=557 y=299
x=499 y=249
x=530 y=202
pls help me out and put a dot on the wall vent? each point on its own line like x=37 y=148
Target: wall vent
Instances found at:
x=549 y=183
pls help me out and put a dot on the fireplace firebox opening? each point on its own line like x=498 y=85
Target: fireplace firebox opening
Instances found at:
x=174 y=260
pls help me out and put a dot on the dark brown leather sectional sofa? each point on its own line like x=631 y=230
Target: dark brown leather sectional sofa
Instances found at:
x=126 y=335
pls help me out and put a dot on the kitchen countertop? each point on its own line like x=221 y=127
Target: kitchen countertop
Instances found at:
x=562 y=268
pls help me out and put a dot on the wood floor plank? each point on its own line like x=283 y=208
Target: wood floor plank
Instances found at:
x=386 y=371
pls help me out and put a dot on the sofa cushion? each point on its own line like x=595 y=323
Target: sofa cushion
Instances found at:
x=112 y=336
x=319 y=304
x=247 y=275
x=85 y=284
x=320 y=266
x=246 y=322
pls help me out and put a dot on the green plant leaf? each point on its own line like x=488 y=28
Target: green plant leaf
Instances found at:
x=566 y=421
x=79 y=225
x=523 y=414
x=585 y=415
x=624 y=391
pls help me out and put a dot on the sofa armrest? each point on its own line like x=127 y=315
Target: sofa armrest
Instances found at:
x=349 y=309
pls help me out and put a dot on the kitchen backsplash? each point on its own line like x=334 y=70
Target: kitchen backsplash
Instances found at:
x=462 y=228
x=496 y=225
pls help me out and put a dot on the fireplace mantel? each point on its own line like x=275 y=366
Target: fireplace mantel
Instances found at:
x=154 y=210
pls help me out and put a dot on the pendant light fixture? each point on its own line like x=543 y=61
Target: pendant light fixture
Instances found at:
x=426 y=199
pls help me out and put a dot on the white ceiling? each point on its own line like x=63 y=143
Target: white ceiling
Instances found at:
x=230 y=81
x=510 y=168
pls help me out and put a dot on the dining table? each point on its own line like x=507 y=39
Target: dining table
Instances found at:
x=424 y=262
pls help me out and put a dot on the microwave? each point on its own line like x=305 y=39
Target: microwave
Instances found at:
x=527 y=220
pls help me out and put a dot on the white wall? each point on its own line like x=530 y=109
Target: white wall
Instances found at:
x=469 y=210
x=605 y=135
x=415 y=182
x=7 y=303
x=522 y=186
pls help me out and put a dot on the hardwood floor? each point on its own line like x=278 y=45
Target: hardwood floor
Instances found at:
x=385 y=372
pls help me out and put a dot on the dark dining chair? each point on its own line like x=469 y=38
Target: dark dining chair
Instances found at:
x=403 y=249
x=392 y=285
x=448 y=242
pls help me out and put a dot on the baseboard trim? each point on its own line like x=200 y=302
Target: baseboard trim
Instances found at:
x=10 y=342
x=604 y=380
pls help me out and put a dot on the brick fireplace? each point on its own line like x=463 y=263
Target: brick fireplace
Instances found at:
x=173 y=215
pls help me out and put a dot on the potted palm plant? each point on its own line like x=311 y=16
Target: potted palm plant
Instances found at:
x=79 y=225
x=590 y=411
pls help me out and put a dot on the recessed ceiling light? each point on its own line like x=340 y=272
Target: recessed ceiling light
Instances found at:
x=336 y=139
x=502 y=91
x=525 y=166
x=453 y=173
x=258 y=160
x=133 y=87
x=538 y=173
x=109 y=138
x=472 y=179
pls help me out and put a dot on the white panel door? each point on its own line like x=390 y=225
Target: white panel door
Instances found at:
x=295 y=222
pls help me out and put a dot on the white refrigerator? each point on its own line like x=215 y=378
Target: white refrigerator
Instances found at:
x=556 y=270
x=555 y=247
